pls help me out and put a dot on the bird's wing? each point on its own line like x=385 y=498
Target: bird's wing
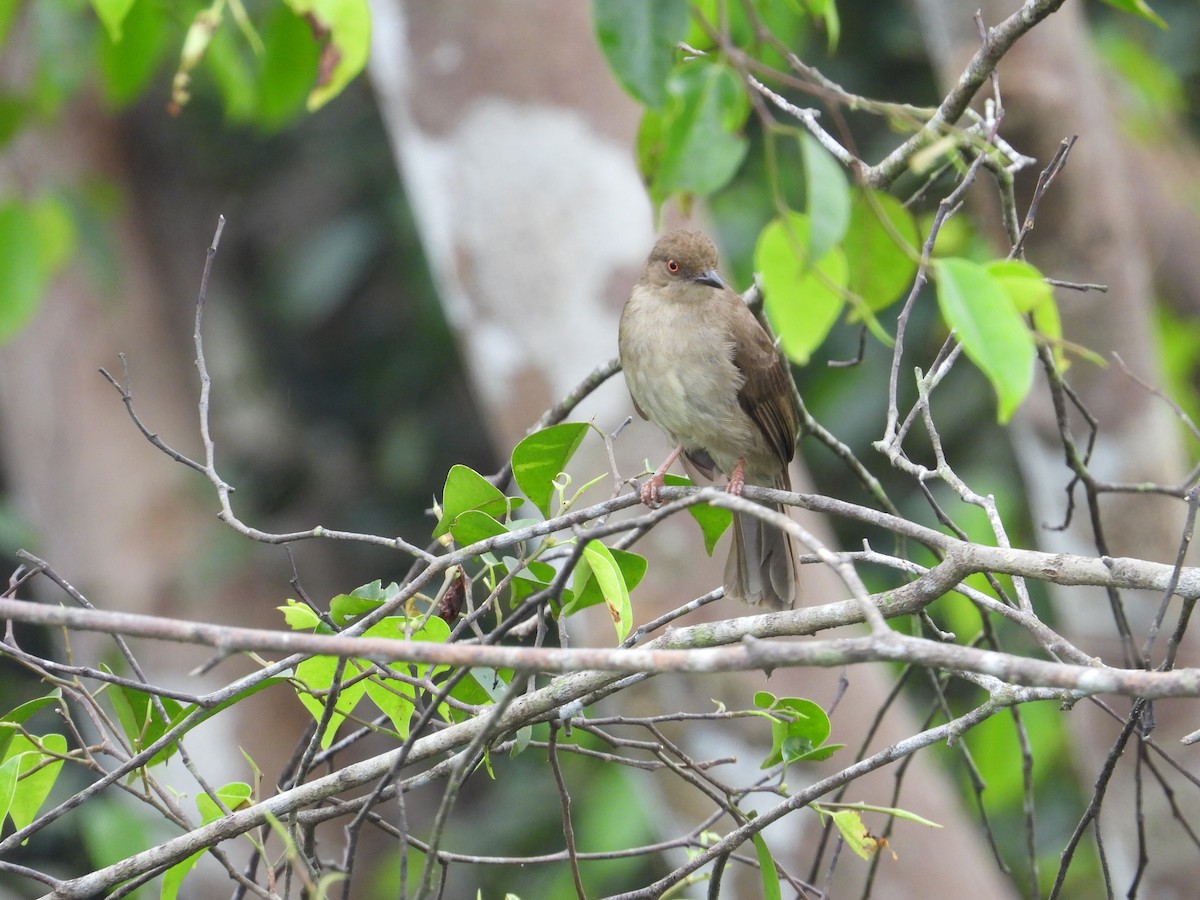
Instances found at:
x=766 y=395
x=641 y=412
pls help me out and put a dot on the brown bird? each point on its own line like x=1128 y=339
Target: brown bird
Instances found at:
x=700 y=366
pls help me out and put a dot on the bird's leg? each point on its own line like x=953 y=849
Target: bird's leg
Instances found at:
x=737 y=478
x=650 y=488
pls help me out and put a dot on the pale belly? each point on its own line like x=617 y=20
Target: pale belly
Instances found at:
x=686 y=383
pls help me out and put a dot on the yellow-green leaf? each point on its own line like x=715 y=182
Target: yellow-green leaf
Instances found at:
x=993 y=334
x=826 y=197
x=599 y=565
x=112 y=13
x=540 y=457
x=345 y=26
x=766 y=868
x=299 y=616
x=880 y=248
x=1139 y=8
x=802 y=300
x=34 y=780
x=466 y=489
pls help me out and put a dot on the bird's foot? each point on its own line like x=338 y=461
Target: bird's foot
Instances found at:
x=737 y=479
x=649 y=491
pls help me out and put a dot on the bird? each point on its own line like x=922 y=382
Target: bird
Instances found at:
x=701 y=367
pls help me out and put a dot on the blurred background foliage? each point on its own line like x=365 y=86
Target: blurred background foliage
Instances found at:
x=339 y=331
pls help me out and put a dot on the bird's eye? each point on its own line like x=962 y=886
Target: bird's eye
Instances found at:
x=672 y=266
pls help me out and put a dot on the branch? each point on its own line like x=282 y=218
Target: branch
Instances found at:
x=996 y=42
x=728 y=646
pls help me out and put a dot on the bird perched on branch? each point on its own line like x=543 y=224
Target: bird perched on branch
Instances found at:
x=700 y=366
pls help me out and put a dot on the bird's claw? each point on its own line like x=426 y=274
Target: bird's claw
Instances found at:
x=649 y=492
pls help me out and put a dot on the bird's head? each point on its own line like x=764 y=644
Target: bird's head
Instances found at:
x=682 y=259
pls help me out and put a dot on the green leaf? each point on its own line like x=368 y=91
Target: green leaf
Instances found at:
x=521 y=741
x=114 y=830
x=14 y=112
x=112 y=13
x=588 y=591
x=127 y=65
x=539 y=459
x=180 y=713
x=130 y=712
x=599 y=567
x=289 y=68
x=825 y=11
x=299 y=616
x=481 y=687
x=473 y=526
x=21 y=275
x=466 y=489
x=364 y=599
x=234 y=76
x=736 y=25
x=1023 y=283
x=374 y=590
x=1139 y=8
x=345 y=26
x=8 y=784
x=895 y=811
x=395 y=698
x=713 y=520
x=33 y=787
x=20 y=714
x=142 y=722
x=856 y=834
x=880 y=248
x=1030 y=293
x=638 y=39
x=826 y=196
x=56 y=233
x=530 y=578
x=345 y=608
x=799 y=729
x=315 y=676
x=992 y=332
x=766 y=868
x=1048 y=324
x=651 y=140
x=1152 y=91
x=8 y=9
x=235 y=796
x=698 y=147
x=803 y=301
x=36 y=239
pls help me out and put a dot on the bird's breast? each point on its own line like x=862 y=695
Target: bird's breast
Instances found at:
x=679 y=367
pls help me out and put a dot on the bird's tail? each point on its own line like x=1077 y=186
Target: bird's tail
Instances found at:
x=761 y=570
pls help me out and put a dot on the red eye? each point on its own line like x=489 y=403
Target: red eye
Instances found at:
x=672 y=266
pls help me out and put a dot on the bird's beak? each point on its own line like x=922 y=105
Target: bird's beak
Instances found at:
x=711 y=278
